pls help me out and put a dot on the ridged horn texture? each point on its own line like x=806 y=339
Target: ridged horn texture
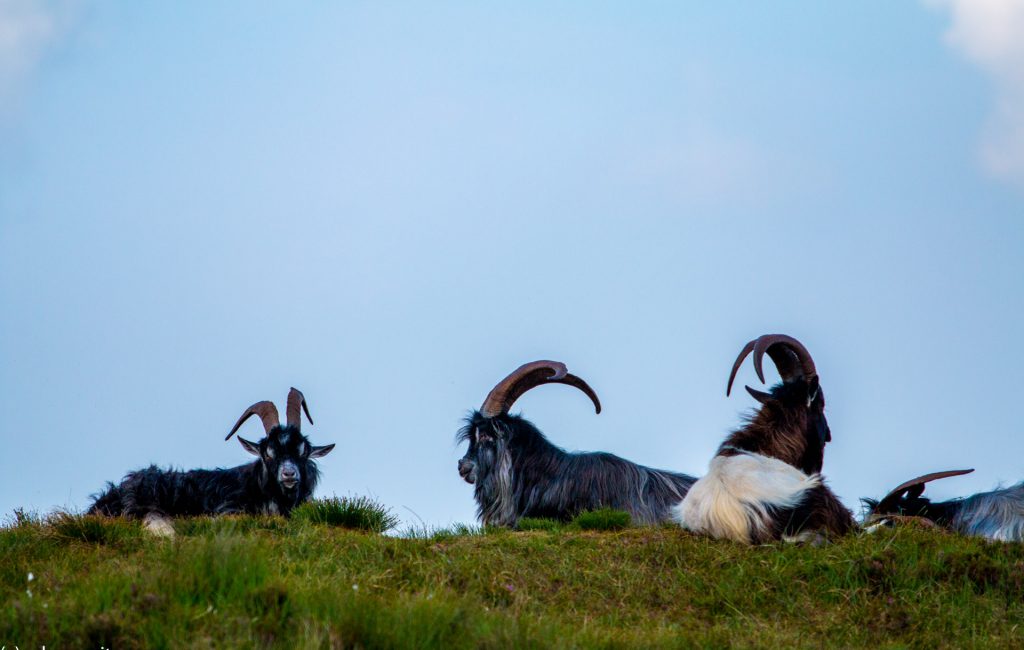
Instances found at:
x=915 y=487
x=530 y=375
x=296 y=404
x=791 y=358
x=267 y=412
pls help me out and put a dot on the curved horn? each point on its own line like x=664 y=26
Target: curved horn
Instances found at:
x=915 y=487
x=791 y=358
x=296 y=404
x=527 y=376
x=267 y=412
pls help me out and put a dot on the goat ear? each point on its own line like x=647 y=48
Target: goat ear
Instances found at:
x=812 y=389
x=251 y=447
x=320 y=452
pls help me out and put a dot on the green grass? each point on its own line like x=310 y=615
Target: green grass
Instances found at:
x=241 y=582
x=603 y=519
x=357 y=513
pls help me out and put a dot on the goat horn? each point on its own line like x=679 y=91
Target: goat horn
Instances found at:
x=760 y=396
x=791 y=358
x=530 y=375
x=296 y=404
x=919 y=482
x=267 y=412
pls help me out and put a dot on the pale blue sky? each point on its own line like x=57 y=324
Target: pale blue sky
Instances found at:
x=391 y=206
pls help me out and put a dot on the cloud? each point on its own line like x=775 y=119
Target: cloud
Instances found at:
x=990 y=33
x=27 y=29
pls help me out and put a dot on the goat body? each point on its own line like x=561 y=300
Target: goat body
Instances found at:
x=518 y=473
x=764 y=483
x=245 y=489
x=283 y=476
x=997 y=515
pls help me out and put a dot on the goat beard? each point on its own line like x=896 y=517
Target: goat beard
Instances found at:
x=494 y=496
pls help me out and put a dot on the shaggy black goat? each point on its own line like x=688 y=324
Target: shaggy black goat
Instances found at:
x=283 y=477
x=764 y=482
x=517 y=473
x=997 y=515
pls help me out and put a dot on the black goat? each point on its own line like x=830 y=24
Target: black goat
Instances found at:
x=284 y=476
x=764 y=482
x=518 y=473
x=997 y=515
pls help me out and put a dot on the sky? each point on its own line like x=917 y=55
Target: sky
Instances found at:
x=392 y=205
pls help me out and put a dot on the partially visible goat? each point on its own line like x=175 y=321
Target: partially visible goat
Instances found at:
x=284 y=476
x=518 y=473
x=997 y=515
x=764 y=483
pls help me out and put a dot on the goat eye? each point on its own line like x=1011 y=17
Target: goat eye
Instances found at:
x=270 y=452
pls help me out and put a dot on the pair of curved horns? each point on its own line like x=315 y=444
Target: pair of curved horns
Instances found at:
x=791 y=358
x=914 y=488
x=530 y=375
x=268 y=413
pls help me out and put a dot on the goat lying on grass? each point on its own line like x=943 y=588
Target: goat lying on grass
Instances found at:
x=764 y=483
x=517 y=472
x=997 y=515
x=283 y=476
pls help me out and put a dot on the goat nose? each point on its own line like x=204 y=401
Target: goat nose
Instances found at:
x=288 y=473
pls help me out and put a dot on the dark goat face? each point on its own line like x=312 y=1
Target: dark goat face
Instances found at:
x=907 y=500
x=910 y=506
x=285 y=454
x=482 y=436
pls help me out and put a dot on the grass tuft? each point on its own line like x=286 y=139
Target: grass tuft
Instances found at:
x=356 y=513
x=21 y=519
x=603 y=519
x=93 y=529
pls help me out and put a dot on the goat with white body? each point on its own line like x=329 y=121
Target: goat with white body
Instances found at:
x=283 y=476
x=997 y=515
x=764 y=483
x=516 y=472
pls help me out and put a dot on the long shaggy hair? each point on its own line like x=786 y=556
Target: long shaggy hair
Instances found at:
x=518 y=473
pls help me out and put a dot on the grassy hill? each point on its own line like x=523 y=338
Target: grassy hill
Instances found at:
x=265 y=582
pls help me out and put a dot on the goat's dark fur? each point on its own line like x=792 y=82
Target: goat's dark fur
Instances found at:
x=254 y=488
x=788 y=428
x=518 y=473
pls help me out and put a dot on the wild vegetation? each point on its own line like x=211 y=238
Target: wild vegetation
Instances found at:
x=86 y=582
